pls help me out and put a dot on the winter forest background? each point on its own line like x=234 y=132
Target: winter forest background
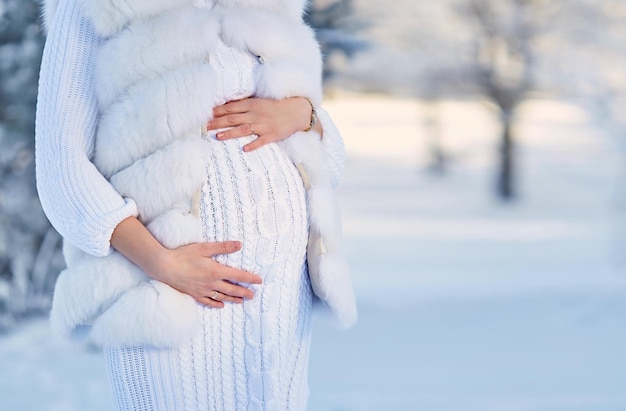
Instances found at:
x=484 y=207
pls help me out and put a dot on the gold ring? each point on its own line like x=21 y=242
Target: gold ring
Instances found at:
x=251 y=129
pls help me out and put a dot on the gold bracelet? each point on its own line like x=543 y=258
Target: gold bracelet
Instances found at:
x=313 y=116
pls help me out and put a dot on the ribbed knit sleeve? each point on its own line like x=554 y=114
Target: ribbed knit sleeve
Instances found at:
x=333 y=145
x=79 y=202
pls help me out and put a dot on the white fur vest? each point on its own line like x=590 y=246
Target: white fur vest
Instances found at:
x=155 y=51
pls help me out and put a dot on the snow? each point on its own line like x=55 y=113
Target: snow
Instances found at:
x=465 y=303
x=39 y=372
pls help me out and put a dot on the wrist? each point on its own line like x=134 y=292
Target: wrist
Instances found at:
x=159 y=264
x=312 y=119
x=133 y=240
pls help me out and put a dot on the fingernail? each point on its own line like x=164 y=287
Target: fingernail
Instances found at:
x=219 y=136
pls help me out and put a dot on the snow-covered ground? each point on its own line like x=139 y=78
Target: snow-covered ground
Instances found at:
x=465 y=304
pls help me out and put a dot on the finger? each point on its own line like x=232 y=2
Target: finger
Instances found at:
x=230 y=120
x=233 y=300
x=232 y=107
x=225 y=297
x=211 y=249
x=243 y=130
x=234 y=291
x=209 y=302
x=238 y=276
x=258 y=143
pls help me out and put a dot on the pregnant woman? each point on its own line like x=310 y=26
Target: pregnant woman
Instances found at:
x=183 y=155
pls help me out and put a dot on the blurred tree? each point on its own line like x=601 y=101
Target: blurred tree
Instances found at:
x=29 y=255
x=492 y=52
x=335 y=30
x=493 y=49
x=505 y=50
x=432 y=128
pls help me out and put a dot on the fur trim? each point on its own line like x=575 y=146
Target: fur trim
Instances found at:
x=131 y=56
x=152 y=313
x=88 y=288
x=48 y=11
x=111 y=16
x=308 y=154
x=166 y=108
x=333 y=285
x=72 y=254
x=279 y=80
x=176 y=227
x=290 y=53
x=166 y=178
x=292 y=8
x=328 y=270
x=281 y=38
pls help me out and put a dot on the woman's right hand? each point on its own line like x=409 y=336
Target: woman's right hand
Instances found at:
x=190 y=269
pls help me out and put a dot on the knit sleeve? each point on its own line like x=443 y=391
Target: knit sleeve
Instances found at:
x=79 y=202
x=333 y=145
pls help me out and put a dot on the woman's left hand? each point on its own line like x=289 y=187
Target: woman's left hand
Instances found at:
x=270 y=120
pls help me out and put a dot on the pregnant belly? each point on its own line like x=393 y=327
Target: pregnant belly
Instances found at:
x=257 y=198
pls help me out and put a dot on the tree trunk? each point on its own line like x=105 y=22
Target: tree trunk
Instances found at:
x=505 y=185
x=432 y=128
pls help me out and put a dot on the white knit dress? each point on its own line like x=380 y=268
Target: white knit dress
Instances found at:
x=252 y=356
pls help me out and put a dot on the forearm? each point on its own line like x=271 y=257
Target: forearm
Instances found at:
x=132 y=239
x=190 y=269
